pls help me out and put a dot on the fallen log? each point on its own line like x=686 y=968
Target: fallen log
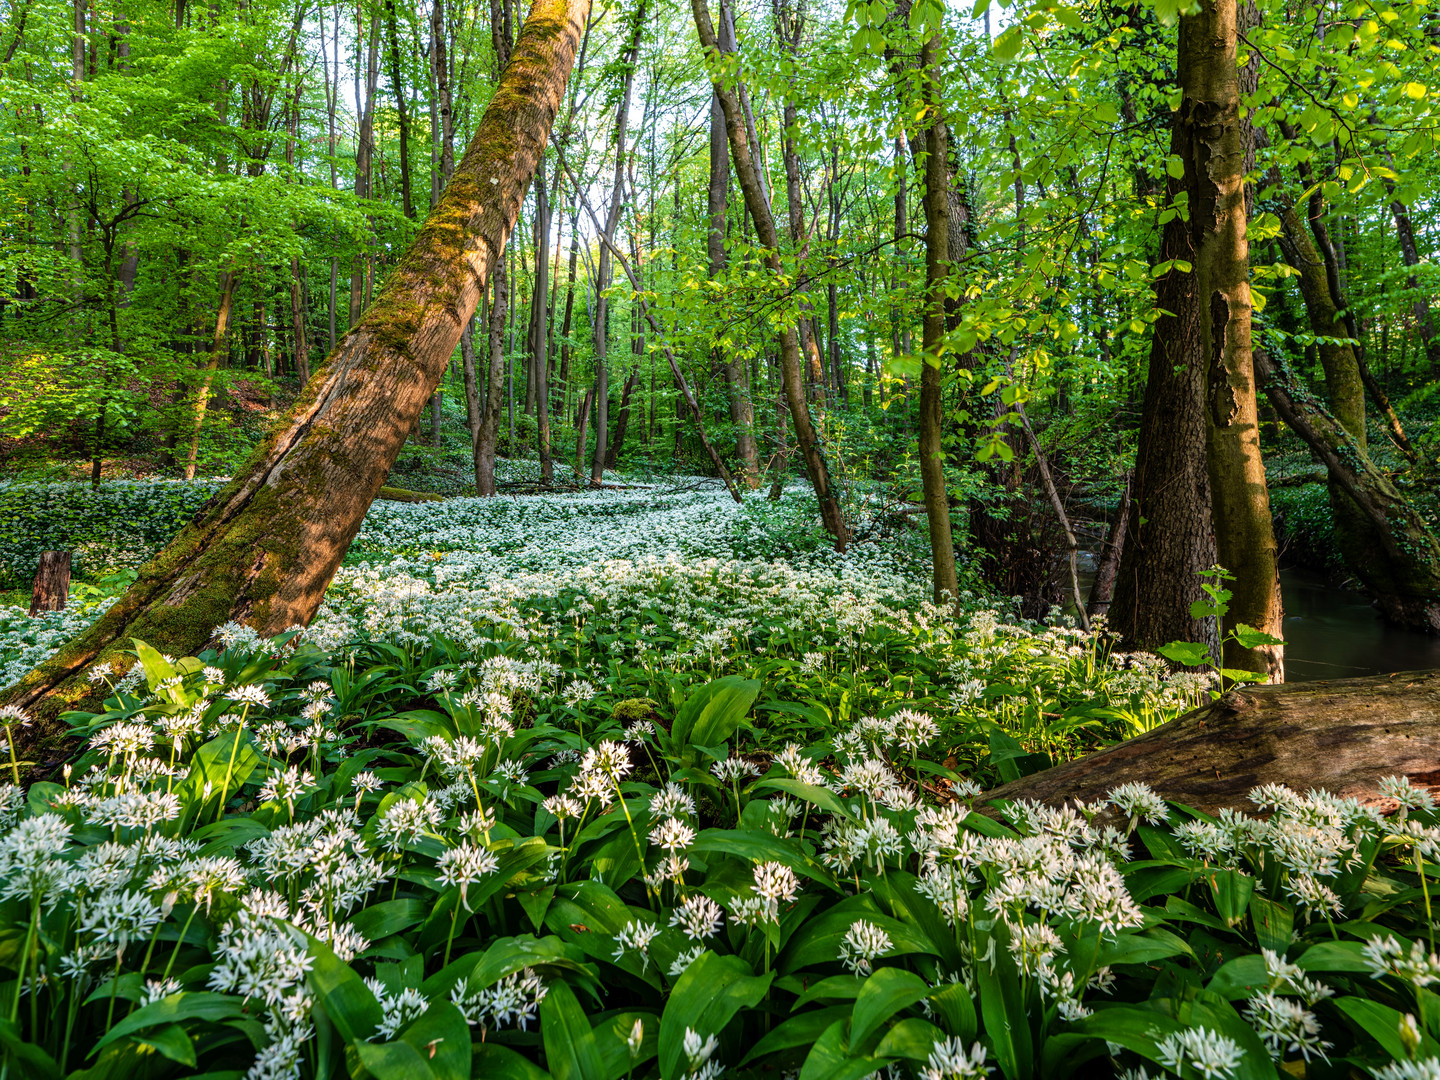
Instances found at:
x=1343 y=736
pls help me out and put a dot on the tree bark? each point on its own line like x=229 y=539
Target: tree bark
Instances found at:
x=488 y=435
x=407 y=200
x=217 y=345
x=1170 y=541
x=1239 y=501
x=263 y=550
x=580 y=425
x=540 y=334
x=1410 y=255
x=1102 y=589
x=937 y=269
x=748 y=175
x=52 y=583
x=1343 y=737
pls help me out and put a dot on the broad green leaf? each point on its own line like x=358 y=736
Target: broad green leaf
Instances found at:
x=495 y=1062
x=884 y=993
x=713 y=712
x=912 y=1038
x=829 y=1059
x=199 y=1005
x=1002 y=1005
x=570 y=1048
x=346 y=999
x=711 y=991
x=802 y=1030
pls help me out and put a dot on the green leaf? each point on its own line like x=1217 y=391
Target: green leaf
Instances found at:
x=911 y=1038
x=442 y=1037
x=1007 y=44
x=346 y=999
x=829 y=1060
x=389 y=917
x=802 y=1030
x=711 y=991
x=1186 y=653
x=1250 y=638
x=712 y=713
x=200 y=1005
x=570 y=1048
x=495 y=1062
x=170 y=1041
x=612 y=1041
x=1382 y=1024
x=884 y=994
x=1002 y=1005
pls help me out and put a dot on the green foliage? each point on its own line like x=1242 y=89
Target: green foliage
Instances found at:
x=116 y=526
x=382 y=894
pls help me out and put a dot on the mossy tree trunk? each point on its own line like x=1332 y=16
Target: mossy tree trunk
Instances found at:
x=1214 y=153
x=265 y=548
x=1405 y=558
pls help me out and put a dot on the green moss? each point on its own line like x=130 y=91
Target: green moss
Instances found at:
x=395 y=494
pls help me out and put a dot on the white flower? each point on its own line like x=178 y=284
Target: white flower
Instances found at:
x=464 y=865
x=252 y=694
x=1212 y=1055
x=1285 y=1026
x=672 y=834
x=397 y=1009
x=1387 y=956
x=1139 y=803
x=949 y=1060
x=1423 y=1069
x=513 y=999
x=636 y=935
x=734 y=769
x=864 y=942
x=698 y=916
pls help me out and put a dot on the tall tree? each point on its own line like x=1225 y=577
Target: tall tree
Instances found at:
x=937 y=269
x=628 y=56
x=1214 y=153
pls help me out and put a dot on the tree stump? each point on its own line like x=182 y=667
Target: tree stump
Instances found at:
x=52 y=582
x=1343 y=736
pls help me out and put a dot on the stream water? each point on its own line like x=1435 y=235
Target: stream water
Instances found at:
x=1333 y=633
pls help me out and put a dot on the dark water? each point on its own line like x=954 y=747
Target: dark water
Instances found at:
x=1333 y=633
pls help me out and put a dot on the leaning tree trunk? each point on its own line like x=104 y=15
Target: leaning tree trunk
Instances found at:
x=1405 y=550
x=263 y=550
x=1343 y=737
x=1215 y=164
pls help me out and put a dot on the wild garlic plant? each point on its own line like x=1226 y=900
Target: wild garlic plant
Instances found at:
x=374 y=858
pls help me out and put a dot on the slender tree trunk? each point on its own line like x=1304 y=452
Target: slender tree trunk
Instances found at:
x=364 y=164
x=264 y=549
x=217 y=346
x=937 y=269
x=1239 y=501
x=749 y=177
x=489 y=433
x=742 y=411
x=1410 y=255
x=612 y=221
x=1102 y=589
x=540 y=341
x=580 y=424
x=407 y=200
